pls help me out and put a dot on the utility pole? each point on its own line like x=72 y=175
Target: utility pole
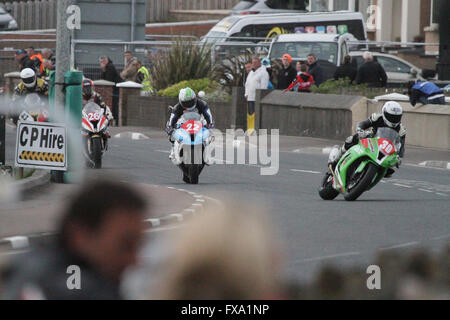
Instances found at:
x=62 y=48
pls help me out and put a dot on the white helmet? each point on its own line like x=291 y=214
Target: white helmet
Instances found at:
x=392 y=113
x=187 y=99
x=28 y=77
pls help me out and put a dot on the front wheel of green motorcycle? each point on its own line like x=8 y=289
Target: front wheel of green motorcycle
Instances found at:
x=326 y=190
x=364 y=182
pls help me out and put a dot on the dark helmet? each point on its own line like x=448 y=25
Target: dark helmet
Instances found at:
x=88 y=88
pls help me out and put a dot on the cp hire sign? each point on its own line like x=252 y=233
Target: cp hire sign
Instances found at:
x=41 y=145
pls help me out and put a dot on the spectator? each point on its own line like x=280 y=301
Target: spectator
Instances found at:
x=266 y=63
x=248 y=68
x=258 y=78
x=37 y=59
x=287 y=73
x=225 y=256
x=371 y=72
x=315 y=69
x=100 y=232
x=304 y=80
x=130 y=71
x=425 y=92
x=346 y=70
x=143 y=77
x=110 y=73
x=49 y=61
x=24 y=60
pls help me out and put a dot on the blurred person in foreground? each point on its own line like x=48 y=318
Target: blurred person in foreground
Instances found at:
x=100 y=237
x=221 y=255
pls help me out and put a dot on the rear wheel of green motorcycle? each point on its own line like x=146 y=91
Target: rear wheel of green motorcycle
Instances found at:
x=369 y=173
x=326 y=190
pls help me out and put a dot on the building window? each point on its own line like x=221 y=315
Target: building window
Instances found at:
x=435 y=9
x=341 y=4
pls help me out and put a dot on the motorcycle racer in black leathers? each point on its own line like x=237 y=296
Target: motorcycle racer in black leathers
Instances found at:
x=390 y=117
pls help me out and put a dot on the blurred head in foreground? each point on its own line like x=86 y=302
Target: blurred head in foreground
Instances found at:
x=99 y=235
x=222 y=255
x=103 y=225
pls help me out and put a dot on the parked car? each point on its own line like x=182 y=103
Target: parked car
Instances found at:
x=397 y=69
x=267 y=6
x=7 y=22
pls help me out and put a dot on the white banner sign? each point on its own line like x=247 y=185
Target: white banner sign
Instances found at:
x=41 y=145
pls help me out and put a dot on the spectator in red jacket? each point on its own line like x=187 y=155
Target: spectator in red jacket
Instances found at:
x=304 y=80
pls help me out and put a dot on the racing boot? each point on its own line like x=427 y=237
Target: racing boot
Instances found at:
x=335 y=155
x=389 y=173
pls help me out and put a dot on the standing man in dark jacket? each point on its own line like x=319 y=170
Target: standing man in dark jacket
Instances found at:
x=110 y=73
x=346 y=70
x=315 y=69
x=24 y=60
x=371 y=72
x=287 y=73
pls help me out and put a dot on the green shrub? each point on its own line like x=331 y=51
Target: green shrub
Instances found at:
x=197 y=85
x=340 y=86
x=185 y=60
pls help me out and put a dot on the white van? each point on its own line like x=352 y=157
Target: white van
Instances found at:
x=267 y=26
x=329 y=49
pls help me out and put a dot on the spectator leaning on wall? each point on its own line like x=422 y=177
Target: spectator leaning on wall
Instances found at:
x=371 y=72
x=258 y=78
x=425 y=92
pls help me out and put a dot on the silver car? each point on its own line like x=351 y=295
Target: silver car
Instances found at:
x=7 y=22
x=267 y=6
x=397 y=69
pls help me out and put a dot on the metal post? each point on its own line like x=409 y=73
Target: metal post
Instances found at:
x=2 y=139
x=133 y=11
x=62 y=49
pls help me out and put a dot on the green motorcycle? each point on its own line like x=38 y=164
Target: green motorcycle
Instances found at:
x=362 y=166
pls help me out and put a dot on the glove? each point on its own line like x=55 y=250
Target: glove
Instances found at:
x=169 y=130
x=210 y=126
x=399 y=162
x=361 y=133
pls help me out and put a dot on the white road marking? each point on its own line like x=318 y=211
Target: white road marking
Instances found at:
x=163 y=151
x=178 y=216
x=347 y=254
x=306 y=171
x=441 y=194
x=403 y=245
x=441 y=237
x=154 y=222
x=200 y=200
x=402 y=185
x=18 y=242
x=425 y=190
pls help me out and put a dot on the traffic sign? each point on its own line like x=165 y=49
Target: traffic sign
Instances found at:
x=41 y=145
